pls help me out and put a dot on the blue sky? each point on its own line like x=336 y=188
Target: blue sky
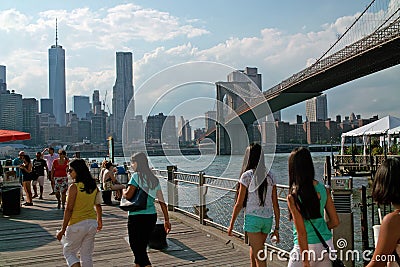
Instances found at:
x=278 y=37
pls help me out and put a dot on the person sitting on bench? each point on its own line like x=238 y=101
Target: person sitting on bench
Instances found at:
x=110 y=182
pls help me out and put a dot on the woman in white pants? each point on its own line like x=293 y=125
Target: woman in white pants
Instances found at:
x=81 y=219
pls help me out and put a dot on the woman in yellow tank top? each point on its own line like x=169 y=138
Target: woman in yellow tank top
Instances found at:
x=82 y=217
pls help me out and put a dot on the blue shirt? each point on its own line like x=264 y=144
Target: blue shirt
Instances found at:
x=150 y=208
x=16 y=162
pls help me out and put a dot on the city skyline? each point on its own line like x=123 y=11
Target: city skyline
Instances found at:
x=256 y=35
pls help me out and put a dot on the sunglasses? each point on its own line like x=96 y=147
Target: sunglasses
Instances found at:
x=70 y=170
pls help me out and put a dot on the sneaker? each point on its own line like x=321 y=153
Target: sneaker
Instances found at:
x=52 y=193
x=40 y=197
x=34 y=196
x=28 y=204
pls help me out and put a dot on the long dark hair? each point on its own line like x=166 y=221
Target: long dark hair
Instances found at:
x=27 y=158
x=83 y=175
x=385 y=189
x=301 y=183
x=254 y=160
x=144 y=170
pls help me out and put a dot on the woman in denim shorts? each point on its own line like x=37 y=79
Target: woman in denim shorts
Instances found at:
x=257 y=194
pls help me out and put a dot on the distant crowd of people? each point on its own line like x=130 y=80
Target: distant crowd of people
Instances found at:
x=309 y=203
x=33 y=172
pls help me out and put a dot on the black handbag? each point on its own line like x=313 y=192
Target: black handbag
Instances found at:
x=138 y=201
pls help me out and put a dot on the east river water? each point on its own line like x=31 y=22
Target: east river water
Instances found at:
x=229 y=167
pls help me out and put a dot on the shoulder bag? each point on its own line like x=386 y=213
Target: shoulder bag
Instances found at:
x=336 y=262
x=138 y=201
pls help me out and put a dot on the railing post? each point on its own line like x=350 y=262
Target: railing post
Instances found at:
x=364 y=220
x=327 y=170
x=202 y=198
x=171 y=187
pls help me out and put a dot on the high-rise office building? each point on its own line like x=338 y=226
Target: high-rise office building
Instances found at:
x=210 y=117
x=45 y=122
x=84 y=130
x=81 y=105
x=98 y=134
x=161 y=129
x=96 y=104
x=46 y=106
x=122 y=91
x=11 y=117
x=184 y=130
x=317 y=109
x=30 y=109
x=57 y=81
x=3 y=81
x=134 y=129
x=252 y=74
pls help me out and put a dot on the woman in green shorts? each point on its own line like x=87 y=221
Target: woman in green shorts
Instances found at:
x=257 y=194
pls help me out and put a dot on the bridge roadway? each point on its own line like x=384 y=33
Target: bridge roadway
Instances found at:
x=29 y=239
x=373 y=53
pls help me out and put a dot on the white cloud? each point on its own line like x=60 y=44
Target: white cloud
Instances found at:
x=91 y=38
x=12 y=20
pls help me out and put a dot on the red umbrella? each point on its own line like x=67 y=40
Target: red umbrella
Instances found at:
x=9 y=135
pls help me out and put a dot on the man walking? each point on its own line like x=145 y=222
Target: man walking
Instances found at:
x=50 y=157
x=39 y=165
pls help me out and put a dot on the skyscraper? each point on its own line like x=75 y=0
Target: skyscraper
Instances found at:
x=57 y=81
x=317 y=108
x=122 y=91
x=210 y=117
x=252 y=74
x=3 y=82
x=46 y=106
x=30 y=110
x=96 y=104
x=81 y=105
x=11 y=116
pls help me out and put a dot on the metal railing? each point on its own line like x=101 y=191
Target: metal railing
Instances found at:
x=210 y=200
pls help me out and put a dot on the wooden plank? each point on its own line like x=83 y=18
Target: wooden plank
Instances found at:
x=29 y=239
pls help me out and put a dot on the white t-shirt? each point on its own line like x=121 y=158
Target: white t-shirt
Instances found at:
x=253 y=204
x=49 y=159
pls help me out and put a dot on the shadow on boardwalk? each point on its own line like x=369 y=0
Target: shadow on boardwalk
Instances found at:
x=28 y=239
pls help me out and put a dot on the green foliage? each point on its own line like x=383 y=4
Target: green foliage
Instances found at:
x=377 y=151
x=394 y=149
x=349 y=151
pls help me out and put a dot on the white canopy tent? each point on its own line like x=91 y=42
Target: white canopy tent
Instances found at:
x=394 y=131
x=379 y=127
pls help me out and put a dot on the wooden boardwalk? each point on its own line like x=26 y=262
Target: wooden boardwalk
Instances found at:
x=29 y=239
